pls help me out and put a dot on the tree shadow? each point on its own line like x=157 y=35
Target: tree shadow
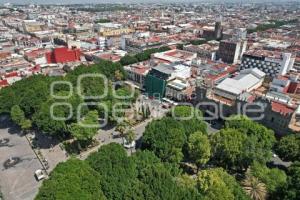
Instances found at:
x=44 y=141
x=108 y=127
x=14 y=129
x=7 y=123
x=138 y=143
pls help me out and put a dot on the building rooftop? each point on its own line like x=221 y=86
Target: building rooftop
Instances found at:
x=243 y=82
x=175 y=56
x=282 y=108
x=265 y=53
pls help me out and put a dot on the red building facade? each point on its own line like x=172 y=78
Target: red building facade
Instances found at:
x=63 y=55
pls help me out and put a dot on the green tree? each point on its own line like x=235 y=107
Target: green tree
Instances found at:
x=184 y=111
x=17 y=114
x=130 y=137
x=165 y=137
x=179 y=46
x=144 y=159
x=291 y=191
x=87 y=128
x=158 y=183
x=186 y=181
x=272 y=178
x=26 y=124
x=8 y=98
x=260 y=140
x=45 y=122
x=118 y=75
x=102 y=21
x=199 y=148
x=288 y=148
x=217 y=184
x=147 y=112
x=28 y=93
x=18 y=117
x=142 y=56
x=227 y=148
x=118 y=172
x=73 y=179
x=122 y=127
x=128 y=60
x=190 y=118
x=75 y=101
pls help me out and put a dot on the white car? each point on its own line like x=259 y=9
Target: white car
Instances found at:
x=127 y=145
x=39 y=174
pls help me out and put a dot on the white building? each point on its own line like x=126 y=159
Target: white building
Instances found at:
x=270 y=62
x=175 y=55
x=246 y=81
x=177 y=89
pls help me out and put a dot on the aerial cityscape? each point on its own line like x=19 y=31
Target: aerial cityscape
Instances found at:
x=154 y=100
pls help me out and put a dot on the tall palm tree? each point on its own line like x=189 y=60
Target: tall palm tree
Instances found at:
x=254 y=188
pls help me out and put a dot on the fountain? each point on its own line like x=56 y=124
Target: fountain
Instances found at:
x=11 y=162
x=4 y=142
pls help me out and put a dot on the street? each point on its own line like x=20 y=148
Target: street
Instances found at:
x=17 y=182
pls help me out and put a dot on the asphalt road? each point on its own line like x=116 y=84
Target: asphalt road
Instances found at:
x=17 y=182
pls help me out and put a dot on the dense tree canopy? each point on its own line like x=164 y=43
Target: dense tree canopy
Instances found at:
x=73 y=179
x=116 y=170
x=291 y=191
x=28 y=93
x=34 y=99
x=272 y=178
x=102 y=20
x=217 y=184
x=227 y=148
x=288 y=148
x=142 y=56
x=190 y=118
x=272 y=24
x=141 y=176
x=199 y=148
x=86 y=128
x=45 y=122
x=165 y=138
x=17 y=114
x=128 y=60
x=154 y=173
x=259 y=140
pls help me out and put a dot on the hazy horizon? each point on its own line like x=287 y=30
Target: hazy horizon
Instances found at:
x=138 y=1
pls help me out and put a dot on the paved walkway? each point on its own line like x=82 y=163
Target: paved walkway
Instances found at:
x=105 y=137
x=51 y=151
x=18 y=182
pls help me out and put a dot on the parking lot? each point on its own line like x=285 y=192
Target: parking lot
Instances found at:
x=17 y=182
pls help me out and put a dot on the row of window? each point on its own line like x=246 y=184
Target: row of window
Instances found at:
x=249 y=61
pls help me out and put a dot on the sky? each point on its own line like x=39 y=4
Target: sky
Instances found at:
x=125 y=1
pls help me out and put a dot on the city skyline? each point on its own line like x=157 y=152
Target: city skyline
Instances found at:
x=24 y=2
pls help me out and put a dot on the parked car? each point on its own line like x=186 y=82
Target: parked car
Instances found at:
x=40 y=174
x=127 y=145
